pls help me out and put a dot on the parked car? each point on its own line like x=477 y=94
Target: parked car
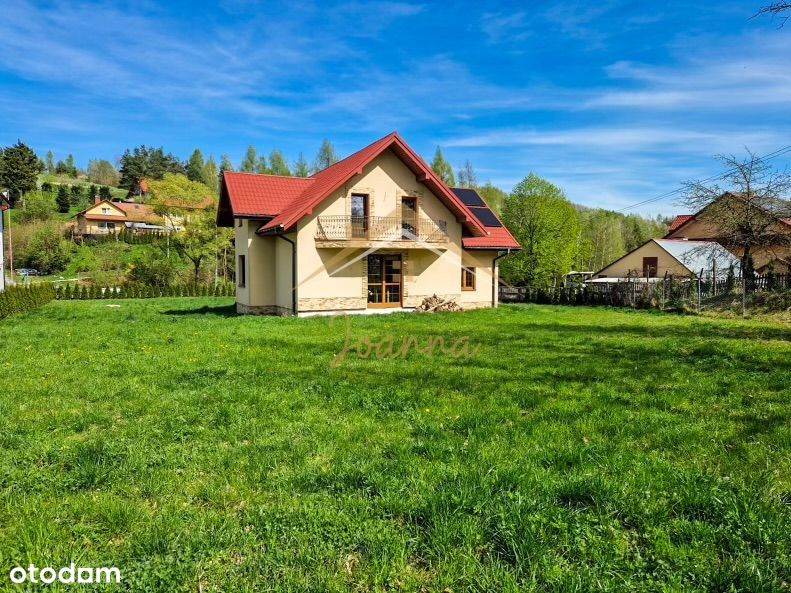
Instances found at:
x=27 y=272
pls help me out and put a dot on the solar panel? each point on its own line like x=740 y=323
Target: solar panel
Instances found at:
x=469 y=196
x=486 y=217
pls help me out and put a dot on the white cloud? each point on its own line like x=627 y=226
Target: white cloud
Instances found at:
x=746 y=72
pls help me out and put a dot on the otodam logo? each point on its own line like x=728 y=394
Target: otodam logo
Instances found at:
x=67 y=575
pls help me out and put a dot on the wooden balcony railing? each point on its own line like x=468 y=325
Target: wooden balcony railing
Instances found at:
x=381 y=228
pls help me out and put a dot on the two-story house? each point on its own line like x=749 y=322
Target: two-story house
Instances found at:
x=375 y=232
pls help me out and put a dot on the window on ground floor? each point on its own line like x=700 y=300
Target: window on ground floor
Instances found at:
x=467 y=278
x=241 y=271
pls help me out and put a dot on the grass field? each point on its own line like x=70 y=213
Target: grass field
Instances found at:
x=579 y=450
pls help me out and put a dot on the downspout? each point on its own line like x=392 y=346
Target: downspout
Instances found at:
x=293 y=273
x=494 y=276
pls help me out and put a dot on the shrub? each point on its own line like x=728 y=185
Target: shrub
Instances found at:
x=43 y=247
x=39 y=205
x=18 y=299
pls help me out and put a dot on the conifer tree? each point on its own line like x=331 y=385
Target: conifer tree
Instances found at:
x=62 y=200
x=301 y=168
x=443 y=168
x=210 y=174
x=277 y=163
x=250 y=161
x=195 y=166
x=50 y=162
x=325 y=157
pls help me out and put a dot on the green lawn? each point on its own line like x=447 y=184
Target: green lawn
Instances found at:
x=580 y=450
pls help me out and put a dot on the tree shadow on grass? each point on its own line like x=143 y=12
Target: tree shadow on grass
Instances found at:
x=215 y=311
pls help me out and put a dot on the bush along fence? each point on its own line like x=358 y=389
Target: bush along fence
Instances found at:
x=669 y=293
x=126 y=236
x=20 y=298
x=76 y=292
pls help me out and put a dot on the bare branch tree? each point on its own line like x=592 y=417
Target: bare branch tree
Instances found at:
x=777 y=9
x=747 y=214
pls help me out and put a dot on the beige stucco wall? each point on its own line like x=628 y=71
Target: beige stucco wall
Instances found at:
x=283 y=270
x=482 y=262
x=259 y=288
x=697 y=229
x=632 y=263
x=338 y=274
x=98 y=209
x=91 y=227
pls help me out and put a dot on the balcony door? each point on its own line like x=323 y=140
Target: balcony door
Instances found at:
x=384 y=281
x=409 y=218
x=359 y=216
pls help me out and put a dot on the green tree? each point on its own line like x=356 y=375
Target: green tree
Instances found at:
x=195 y=166
x=174 y=193
x=325 y=157
x=146 y=163
x=102 y=172
x=104 y=193
x=545 y=223
x=19 y=169
x=50 y=162
x=467 y=177
x=278 y=164
x=92 y=192
x=443 y=168
x=63 y=200
x=200 y=240
x=46 y=187
x=494 y=196
x=172 y=198
x=262 y=165
x=250 y=161
x=47 y=251
x=225 y=163
x=38 y=205
x=301 y=167
x=71 y=167
x=76 y=194
x=210 y=175
x=601 y=239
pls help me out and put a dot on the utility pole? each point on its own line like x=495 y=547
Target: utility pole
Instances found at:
x=3 y=208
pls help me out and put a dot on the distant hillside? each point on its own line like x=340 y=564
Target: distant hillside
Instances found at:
x=116 y=192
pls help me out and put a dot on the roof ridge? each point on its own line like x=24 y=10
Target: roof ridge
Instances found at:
x=355 y=153
x=269 y=175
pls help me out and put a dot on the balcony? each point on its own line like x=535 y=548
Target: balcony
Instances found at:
x=380 y=231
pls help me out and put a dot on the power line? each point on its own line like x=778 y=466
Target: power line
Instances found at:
x=766 y=157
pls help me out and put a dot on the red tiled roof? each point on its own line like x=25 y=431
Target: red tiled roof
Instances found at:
x=499 y=238
x=263 y=195
x=680 y=220
x=288 y=199
x=132 y=209
x=133 y=212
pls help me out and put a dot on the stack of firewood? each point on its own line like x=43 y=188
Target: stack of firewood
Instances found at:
x=435 y=303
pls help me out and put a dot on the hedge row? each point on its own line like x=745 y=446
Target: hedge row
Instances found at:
x=75 y=292
x=21 y=298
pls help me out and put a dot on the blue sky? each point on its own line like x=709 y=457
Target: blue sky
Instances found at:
x=614 y=101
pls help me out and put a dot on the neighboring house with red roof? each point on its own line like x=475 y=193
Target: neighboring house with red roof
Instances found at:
x=375 y=232
x=700 y=227
x=105 y=217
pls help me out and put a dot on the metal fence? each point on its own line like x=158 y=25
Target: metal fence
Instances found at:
x=671 y=292
x=375 y=228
